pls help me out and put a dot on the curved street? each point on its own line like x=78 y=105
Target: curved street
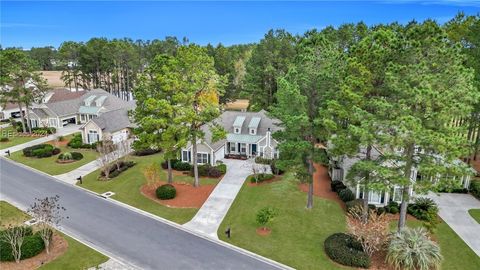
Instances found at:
x=130 y=237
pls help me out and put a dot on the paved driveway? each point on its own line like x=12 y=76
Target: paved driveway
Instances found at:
x=210 y=216
x=121 y=233
x=454 y=211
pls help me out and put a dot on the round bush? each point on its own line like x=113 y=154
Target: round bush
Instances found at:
x=344 y=249
x=32 y=245
x=346 y=195
x=56 y=151
x=337 y=186
x=77 y=156
x=166 y=192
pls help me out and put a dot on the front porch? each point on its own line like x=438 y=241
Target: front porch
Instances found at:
x=239 y=150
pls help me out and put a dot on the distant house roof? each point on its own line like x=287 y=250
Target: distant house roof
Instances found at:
x=64 y=94
x=113 y=120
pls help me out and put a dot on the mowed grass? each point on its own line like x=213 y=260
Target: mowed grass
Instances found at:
x=14 y=138
x=49 y=164
x=127 y=189
x=297 y=233
x=456 y=254
x=475 y=213
x=77 y=256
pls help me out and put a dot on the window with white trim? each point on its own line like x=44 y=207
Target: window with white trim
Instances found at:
x=397 y=194
x=236 y=130
x=253 y=131
x=185 y=156
x=243 y=148
x=232 y=147
x=374 y=197
x=92 y=136
x=202 y=158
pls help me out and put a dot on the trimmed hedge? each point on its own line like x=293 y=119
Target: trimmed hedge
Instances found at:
x=177 y=165
x=210 y=171
x=70 y=156
x=4 y=139
x=76 y=142
x=145 y=152
x=32 y=246
x=166 y=192
x=260 y=177
x=344 y=249
x=336 y=186
x=40 y=151
x=392 y=208
x=346 y=195
x=114 y=172
x=475 y=188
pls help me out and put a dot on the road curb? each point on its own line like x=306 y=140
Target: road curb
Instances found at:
x=160 y=219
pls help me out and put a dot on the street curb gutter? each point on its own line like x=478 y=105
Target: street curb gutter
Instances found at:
x=163 y=220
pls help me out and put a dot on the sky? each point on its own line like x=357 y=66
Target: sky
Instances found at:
x=41 y=23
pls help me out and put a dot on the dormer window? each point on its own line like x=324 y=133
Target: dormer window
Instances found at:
x=237 y=124
x=237 y=130
x=253 y=131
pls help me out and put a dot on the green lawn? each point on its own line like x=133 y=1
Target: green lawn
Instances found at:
x=77 y=256
x=475 y=213
x=13 y=137
x=50 y=166
x=127 y=189
x=457 y=255
x=297 y=234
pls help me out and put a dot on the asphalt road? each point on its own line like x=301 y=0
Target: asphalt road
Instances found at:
x=132 y=237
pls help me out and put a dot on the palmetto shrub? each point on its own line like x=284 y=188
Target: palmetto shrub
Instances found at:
x=412 y=249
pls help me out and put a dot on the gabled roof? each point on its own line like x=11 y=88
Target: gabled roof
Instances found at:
x=113 y=120
x=57 y=95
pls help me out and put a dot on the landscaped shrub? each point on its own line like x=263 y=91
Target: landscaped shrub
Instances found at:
x=32 y=245
x=411 y=249
x=4 y=139
x=181 y=166
x=392 y=207
x=265 y=216
x=344 y=249
x=76 y=142
x=143 y=148
x=353 y=204
x=40 y=151
x=423 y=208
x=275 y=169
x=209 y=170
x=222 y=168
x=475 y=188
x=145 y=152
x=336 y=186
x=346 y=195
x=260 y=177
x=114 y=171
x=70 y=156
x=166 y=192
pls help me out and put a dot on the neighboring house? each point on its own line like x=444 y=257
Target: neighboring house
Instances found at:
x=113 y=125
x=249 y=134
x=62 y=107
x=9 y=110
x=339 y=168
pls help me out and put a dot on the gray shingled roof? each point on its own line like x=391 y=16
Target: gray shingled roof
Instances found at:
x=227 y=119
x=68 y=107
x=113 y=120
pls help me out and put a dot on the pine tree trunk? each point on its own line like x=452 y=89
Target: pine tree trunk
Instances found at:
x=406 y=189
x=194 y=160
x=22 y=117
x=29 y=124
x=366 y=190
x=310 y=184
x=170 y=175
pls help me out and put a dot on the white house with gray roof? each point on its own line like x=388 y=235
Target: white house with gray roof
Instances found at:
x=113 y=125
x=249 y=134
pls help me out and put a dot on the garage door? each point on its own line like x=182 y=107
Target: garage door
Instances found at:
x=220 y=154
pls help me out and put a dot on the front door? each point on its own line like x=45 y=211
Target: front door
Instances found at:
x=254 y=149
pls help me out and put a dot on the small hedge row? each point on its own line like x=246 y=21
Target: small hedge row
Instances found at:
x=344 y=249
x=260 y=177
x=32 y=245
x=114 y=171
x=145 y=152
x=70 y=156
x=343 y=191
x=475 y=188
x=210 y=171
x=76 y=142
x=41 y=151
x=177 y=165
x=166 y=192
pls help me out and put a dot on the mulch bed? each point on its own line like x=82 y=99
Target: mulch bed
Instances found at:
x=274 y=179
x=58 y=246
x=187 y=173
x=58 y=143
x=263 y=231
x=321 y=185
x=188 y=196
x=67 y=161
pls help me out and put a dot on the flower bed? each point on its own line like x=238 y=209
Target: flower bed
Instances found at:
x=41 y=151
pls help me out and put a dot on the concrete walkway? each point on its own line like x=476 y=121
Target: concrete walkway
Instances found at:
x=454 y=211
x=71 y=176
x=211 y=214
x=60 y=132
